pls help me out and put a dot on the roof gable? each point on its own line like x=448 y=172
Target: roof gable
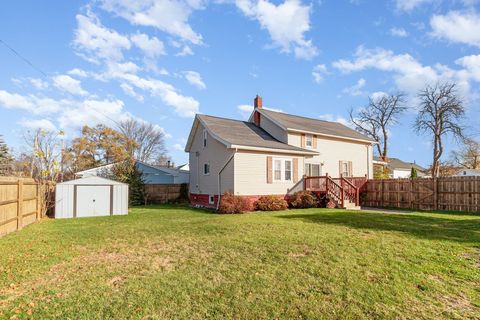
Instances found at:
x=315 y=126
x=239 y=134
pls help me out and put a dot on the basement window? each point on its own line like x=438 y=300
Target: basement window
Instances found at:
x=211 y=199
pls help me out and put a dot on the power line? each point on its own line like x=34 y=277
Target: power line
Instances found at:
x=23 y=58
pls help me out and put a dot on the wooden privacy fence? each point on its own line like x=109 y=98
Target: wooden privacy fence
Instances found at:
x=165 y=193
x=444 y=193
x=20 y=203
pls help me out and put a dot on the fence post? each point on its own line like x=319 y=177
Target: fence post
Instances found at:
x=39 y=210
x=435 y=194
x=19 y=203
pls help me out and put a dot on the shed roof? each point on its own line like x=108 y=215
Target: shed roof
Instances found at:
x=92 y=180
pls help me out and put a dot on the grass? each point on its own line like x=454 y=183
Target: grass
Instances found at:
x=176 y=262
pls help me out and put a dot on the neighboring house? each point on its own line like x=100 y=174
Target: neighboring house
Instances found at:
x=151 y=174
x=398 y=168
x=270 y=154
x=467 y=173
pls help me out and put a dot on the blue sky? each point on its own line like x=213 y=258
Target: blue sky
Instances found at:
x=163 y=61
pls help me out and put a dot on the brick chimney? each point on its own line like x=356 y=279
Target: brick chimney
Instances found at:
x=257 y=103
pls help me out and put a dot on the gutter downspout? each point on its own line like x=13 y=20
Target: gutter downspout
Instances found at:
x=219 y=176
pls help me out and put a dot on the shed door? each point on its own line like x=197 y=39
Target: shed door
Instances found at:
x=93 y=201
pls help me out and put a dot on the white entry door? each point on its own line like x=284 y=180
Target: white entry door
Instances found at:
x=93 y=201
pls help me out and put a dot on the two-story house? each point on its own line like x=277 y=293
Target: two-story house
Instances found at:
x=271 y=154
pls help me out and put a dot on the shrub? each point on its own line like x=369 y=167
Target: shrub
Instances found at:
x=229 y=203
x=303 y=199
x=270 y=203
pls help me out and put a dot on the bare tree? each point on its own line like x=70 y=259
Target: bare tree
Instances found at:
x=468 y=156
x=375 y=119
x=148 y=137
x=46 y=153
x=440 y=113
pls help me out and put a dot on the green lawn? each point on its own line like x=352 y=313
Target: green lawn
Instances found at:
x=175 y=262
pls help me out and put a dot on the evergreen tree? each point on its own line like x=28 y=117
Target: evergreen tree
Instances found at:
x=413 y=173
x=6 y=159
x=127 y=172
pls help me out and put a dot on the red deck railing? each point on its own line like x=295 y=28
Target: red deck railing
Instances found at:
x=339 y=189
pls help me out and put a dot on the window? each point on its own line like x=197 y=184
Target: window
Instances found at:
x=205 y=134
x=278 y=170
x=313 y=170
x=206 y=168
x=211 y=199
x=309 y=141
x=346 y=168
x=282 y=170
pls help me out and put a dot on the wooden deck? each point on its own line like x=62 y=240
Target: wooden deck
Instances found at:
x=341 y=189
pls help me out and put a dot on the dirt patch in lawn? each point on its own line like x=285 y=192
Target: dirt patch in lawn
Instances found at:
x=121 y=259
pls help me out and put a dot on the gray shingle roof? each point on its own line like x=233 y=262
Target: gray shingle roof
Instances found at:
x=394 y=163
x=244 y=133
x=314 y=125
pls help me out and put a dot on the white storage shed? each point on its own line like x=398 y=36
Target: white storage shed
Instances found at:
x=90 y=197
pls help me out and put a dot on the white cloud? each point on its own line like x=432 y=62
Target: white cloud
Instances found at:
x=178 y=147
x=98 y=42
x=31 y=103
x=334 y=118
x=128 y=89
x=318 y=72
x=38 y=124
x=152 y=47
x=286 y=23
x=69 y=84
x=356 y=89
x=409 y=74
x=186 y=51
x=39 y=83
x=91 y=112
x=246 y=109
x=408 y=5
x=398 y=32
x=471 y=65
x=195 y=79
x=78 y=72
x=166 y=15
x=459 y=27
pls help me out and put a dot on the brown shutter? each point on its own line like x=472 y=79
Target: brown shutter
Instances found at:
x=340 y=167
x=315 y=142
x=302 y=140
x=269 y=170
x=295 y=170
x=350 y=169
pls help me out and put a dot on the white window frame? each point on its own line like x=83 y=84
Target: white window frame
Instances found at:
x=313 y=164
x=206 y=164
x=205 y=136
x=211 y=199
x=309 y=141
x=346 y=165
x=282 y=169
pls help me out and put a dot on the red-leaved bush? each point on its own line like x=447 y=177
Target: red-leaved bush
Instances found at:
x=230 y=203
x=270 y=203
x=303 y=199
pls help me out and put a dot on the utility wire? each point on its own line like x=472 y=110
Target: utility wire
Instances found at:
x=15 y=52
x=23 y=58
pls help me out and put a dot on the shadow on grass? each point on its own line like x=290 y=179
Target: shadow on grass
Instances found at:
x=435 y=228
x=175 y=206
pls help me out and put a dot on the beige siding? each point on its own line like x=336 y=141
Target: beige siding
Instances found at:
x=334 y=150
x=217 y=155
x=251 y=174
x=274 y=130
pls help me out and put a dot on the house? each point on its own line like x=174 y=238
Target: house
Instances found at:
x=270 y=154
x=467 y=173
x=398 y=168
x=151 y=174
